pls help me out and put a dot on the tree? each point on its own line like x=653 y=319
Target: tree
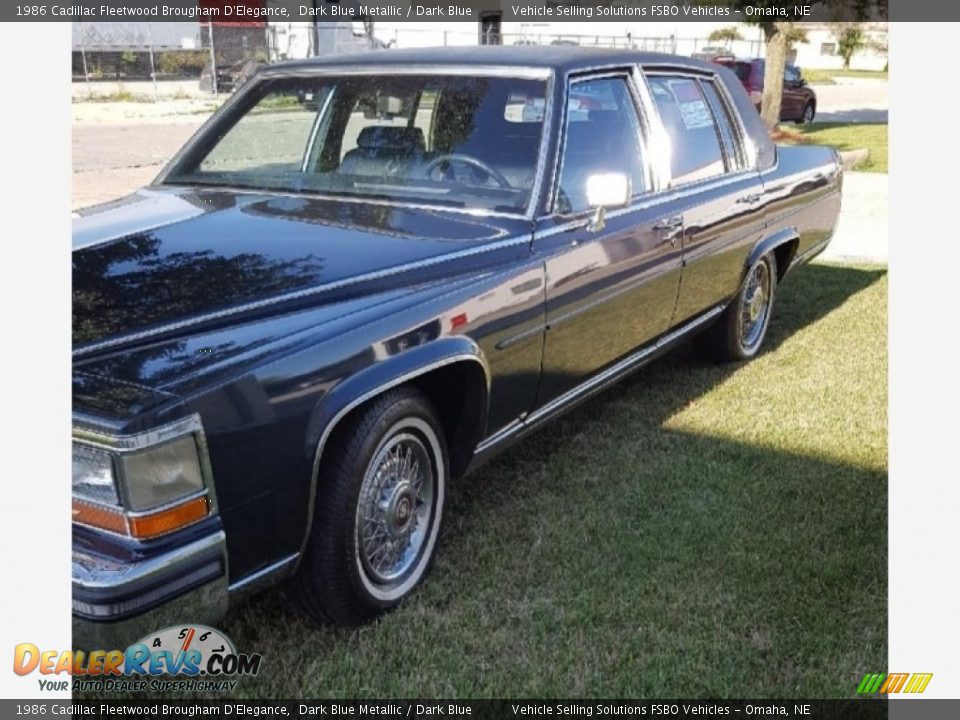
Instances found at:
x=777 y=37
x=796 y=35
x=850 y=39
x=726 y=35
x=775 y=34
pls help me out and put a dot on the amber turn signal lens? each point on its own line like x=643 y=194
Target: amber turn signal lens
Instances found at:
x=99 y=517
x=178 y=516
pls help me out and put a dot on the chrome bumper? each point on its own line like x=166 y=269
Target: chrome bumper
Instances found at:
x=116 y=603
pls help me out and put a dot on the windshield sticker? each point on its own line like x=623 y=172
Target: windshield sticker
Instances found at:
x=696 y=115
x=693 y=109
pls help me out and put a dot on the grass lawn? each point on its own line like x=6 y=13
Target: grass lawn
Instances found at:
x=698 y=531
x=844 y=136
x=825 y=77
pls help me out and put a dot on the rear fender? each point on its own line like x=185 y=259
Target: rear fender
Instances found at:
x=786 y=236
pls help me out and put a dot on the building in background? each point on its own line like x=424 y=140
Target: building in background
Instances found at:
x=821 y=49
x=684 y=38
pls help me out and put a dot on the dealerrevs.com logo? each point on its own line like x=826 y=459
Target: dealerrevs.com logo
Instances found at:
x=187 y=658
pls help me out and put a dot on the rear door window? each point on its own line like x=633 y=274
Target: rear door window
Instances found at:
x=725 y=126
x=695 y=152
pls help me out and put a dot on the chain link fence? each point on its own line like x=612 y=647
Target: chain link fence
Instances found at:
x=425 y=37
x=181 y=60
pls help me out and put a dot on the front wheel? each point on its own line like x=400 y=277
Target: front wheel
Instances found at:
x=809 y=111
x=740 y=331
x=377 y=511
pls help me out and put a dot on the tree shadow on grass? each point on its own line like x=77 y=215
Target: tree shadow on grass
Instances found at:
x=608 y=556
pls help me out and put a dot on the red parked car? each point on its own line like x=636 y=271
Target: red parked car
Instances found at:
x=799 y=100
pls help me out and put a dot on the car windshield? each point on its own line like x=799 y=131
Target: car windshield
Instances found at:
x=464 y=142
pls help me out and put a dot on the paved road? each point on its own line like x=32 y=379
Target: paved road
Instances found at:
x=862 y=232
x=853 y=100
x=112 y=160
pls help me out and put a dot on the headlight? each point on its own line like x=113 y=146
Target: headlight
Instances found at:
x=161 y=475
x=93 y=476
x=142 y=485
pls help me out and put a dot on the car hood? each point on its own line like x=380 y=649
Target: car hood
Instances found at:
x=169 y=261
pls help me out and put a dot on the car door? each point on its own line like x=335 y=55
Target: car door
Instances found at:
x=717 y=190
x=612 y=286
x=793 y=94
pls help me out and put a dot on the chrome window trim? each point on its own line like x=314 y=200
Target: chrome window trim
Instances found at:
x=696 y=76
x=528 y=212
x=665 y=189
x=654 y=128
x=473 y=212
x=748 y=150
x=733 y=160
x=651 y=199
x=527 y=72
x=314 y=131
x=546 y=133
x=560 y=118
x=626 y=73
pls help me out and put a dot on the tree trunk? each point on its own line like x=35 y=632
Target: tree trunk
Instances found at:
x=776 y=57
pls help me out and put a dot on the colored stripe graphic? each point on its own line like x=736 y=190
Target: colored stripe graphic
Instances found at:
x=893 y=683
x=918 y=682
x=870 y=683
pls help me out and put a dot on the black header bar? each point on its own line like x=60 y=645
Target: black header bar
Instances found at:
x=866 y=709
x=261 y=11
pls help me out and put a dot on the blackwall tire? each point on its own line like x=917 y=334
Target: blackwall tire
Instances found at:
x=809 y=112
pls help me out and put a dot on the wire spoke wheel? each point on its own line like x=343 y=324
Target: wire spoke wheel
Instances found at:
x=395 y=511
x=381 y=486
x=755 y=306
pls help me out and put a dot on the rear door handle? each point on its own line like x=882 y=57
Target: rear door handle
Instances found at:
x=751 y=199
x=670 y=228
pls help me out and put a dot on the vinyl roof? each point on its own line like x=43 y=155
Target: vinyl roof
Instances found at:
x=558 y=57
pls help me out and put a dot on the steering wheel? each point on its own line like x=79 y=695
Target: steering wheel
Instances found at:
x=471 y=162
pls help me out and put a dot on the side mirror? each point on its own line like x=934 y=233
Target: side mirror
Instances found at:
x=605 y=191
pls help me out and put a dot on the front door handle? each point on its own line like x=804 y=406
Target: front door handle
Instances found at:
x=751 y=199
x=670 y=227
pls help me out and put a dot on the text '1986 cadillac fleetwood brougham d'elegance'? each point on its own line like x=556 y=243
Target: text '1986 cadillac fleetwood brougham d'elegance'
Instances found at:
x=365 y=275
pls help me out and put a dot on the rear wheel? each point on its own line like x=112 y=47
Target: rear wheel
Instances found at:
x=377 y=515
x=740 y=331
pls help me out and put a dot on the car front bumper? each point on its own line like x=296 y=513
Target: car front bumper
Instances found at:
x=117 y=601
